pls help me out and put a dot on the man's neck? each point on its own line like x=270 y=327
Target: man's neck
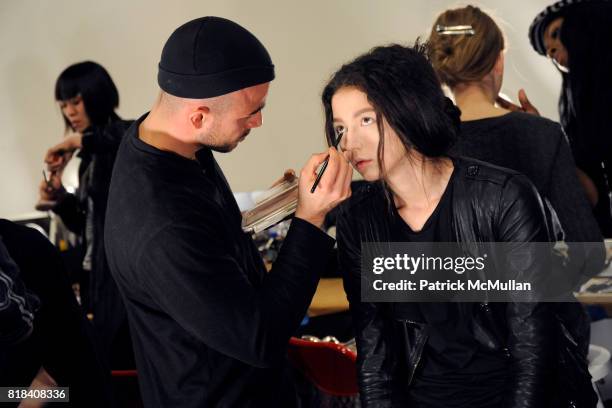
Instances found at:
x=158 y=133
x=476 y=101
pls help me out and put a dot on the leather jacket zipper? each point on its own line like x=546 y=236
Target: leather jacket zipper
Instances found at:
x=419 y=348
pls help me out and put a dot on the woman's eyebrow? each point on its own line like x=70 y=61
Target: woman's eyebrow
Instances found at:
x=359 y=112
x=364 y=110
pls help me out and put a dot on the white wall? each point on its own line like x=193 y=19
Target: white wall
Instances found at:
x=307 y=41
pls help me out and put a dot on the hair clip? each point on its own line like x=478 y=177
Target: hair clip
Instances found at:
x=455 y=30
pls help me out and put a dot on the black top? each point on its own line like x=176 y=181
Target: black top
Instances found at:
x=210 y=326
x=536 y=147
x=598 y=167
x=453 y=368
x=61 y=341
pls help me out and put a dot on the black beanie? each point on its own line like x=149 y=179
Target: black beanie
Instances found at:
x=212 y=56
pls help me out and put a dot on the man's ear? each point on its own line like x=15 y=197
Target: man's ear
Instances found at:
x=200 y=117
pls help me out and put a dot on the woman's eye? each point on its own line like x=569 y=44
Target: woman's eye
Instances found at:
x=367 y=121
x=338 y=130
x=555 y=33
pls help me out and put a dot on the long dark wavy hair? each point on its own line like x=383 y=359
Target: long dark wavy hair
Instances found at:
x=585 y=103
x=90 y=80
x=403 y=88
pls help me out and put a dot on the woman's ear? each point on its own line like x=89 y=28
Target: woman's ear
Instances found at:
x=499 y=65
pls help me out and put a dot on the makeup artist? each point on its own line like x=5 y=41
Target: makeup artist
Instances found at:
x=210 y=326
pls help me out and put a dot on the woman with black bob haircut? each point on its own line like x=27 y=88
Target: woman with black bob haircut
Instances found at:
x=88 y=97
x=397 y=127
x=93 y=85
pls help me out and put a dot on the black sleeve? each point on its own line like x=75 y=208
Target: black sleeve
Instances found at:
x=72 y=213
x=17 y=306
x=531 y=334
x=196 y=279
x=104 y=139
x=375 y=386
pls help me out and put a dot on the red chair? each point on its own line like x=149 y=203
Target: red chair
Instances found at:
x=331 y=367
x=124 y=373
x=125 y=388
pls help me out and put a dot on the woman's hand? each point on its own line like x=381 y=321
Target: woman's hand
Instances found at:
x=59 y=155
x=52 y=190
x=526 y=105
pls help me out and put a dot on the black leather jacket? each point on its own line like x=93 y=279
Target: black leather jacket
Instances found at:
x=490 y=204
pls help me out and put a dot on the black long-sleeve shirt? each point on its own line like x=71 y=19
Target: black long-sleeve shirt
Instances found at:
x=537 y=147
x=210 y=326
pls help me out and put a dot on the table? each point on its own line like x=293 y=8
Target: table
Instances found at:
x=329 y=298
x=599 y=299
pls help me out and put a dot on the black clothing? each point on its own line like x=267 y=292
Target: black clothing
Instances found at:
x=598 y=166
x=86 y=209
x=454 y=371
x=537 y=148
x=210 y=326
x=212 y=56
x=61 y=341
x=17 y=304
x=489 y=204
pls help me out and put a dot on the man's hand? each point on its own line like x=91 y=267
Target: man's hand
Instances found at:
x=334 y=187
x=526 y=105
x=59 y=155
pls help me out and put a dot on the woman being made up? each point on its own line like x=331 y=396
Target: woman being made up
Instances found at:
x=397 y=129
x=88 y=98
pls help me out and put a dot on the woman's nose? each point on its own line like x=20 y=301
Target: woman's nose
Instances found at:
x=70 y=110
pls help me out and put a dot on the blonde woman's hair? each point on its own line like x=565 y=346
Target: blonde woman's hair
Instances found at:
x=465 y=57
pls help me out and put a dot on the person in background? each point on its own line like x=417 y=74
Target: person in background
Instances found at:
x=88 y=98
x=574 y=35
x=397 y=128
x=471 y=64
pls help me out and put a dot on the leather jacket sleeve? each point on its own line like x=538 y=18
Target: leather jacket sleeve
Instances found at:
x=530 y=324
x=373 y=362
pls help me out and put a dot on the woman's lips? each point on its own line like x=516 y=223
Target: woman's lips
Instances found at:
x=361 y=164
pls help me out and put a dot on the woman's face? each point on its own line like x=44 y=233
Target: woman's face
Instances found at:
x=554 y=47
x=354 y=116
x=74 y=110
